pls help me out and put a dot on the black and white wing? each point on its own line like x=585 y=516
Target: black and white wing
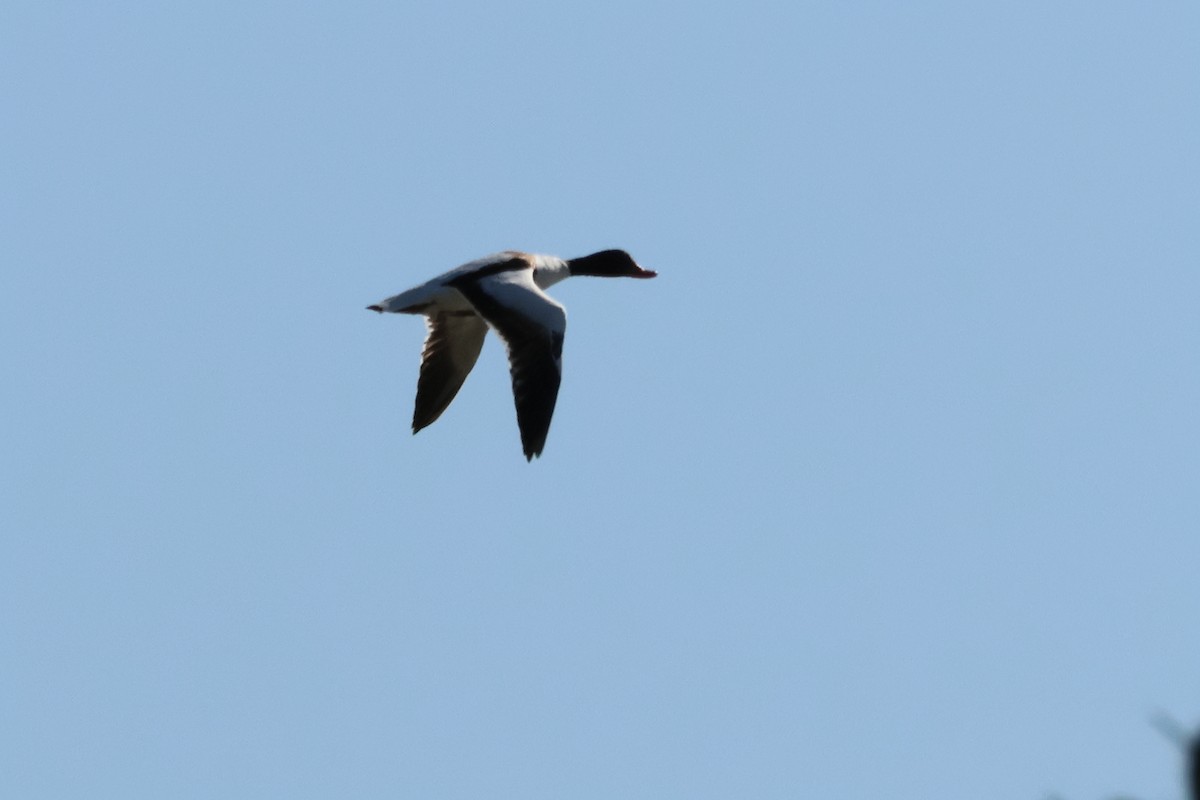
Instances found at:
x=451 y=350
x=532 y=326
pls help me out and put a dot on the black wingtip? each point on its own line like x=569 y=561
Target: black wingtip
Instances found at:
x=376 y=309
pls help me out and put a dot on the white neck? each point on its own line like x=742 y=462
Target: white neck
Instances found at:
x=549 y=270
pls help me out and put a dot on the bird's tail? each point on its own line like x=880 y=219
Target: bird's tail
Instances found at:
x=414 y=301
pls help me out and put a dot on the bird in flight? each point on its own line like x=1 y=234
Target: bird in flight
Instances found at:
x=503 y=291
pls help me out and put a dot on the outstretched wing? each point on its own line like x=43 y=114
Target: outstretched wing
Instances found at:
x=532 y=326
x=451 y=350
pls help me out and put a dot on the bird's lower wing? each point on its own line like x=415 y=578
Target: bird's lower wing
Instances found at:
x=451 y=350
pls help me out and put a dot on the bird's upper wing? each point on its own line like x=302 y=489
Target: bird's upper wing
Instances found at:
x=451 y=349
x=532 y=326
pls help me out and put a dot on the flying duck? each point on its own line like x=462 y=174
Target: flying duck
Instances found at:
x=503 y=291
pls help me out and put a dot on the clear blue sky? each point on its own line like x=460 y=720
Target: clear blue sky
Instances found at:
x=888 y=486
